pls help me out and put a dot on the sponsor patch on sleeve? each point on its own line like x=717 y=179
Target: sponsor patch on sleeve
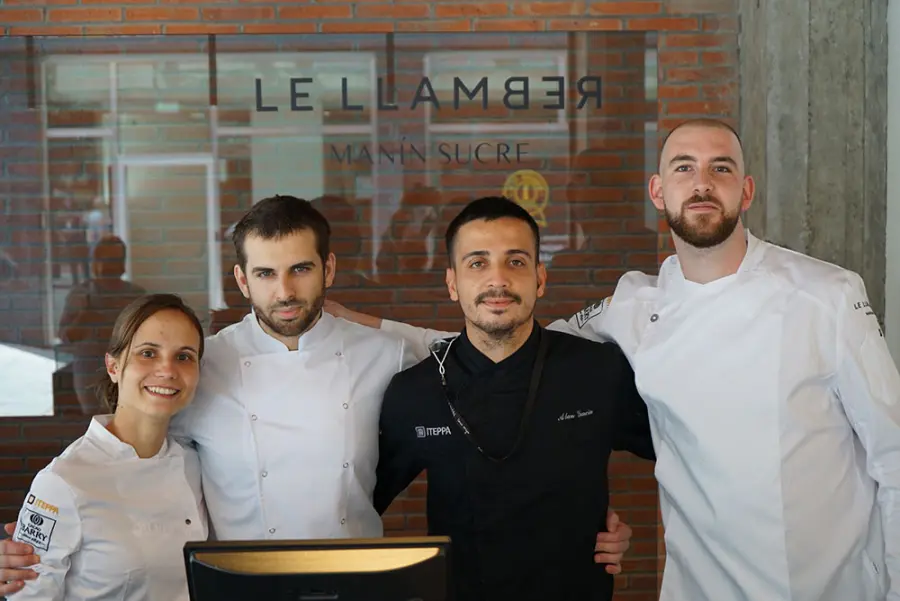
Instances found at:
x=35 y=526
x=589 y=313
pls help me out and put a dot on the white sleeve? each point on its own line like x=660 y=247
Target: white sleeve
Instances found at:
x=416 y=340
x=869 y=389
x=587 y=323
x=49 y=521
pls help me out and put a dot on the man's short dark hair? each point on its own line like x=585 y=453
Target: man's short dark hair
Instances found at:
x=490 y=208
x=279 y=216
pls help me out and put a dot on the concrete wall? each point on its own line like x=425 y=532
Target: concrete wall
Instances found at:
x=813 y=113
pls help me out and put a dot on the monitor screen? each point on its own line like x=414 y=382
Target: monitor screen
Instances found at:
x=384 y=569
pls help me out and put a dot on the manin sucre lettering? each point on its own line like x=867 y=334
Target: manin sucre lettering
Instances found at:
x=407 y=153
x=517 y=95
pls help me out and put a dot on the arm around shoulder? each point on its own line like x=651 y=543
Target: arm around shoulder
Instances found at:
x=398 y=459
x=49 y=521
x=417 y=340
x=632 y=425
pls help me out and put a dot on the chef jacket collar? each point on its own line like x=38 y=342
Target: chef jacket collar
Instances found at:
x=672 y=277
x=106 y=441
x=475 y=362
x=262 y=342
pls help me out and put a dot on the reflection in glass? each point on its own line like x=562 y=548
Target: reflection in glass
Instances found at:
x=367 y=130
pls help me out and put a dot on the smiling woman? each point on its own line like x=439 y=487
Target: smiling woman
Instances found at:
x=124 y=485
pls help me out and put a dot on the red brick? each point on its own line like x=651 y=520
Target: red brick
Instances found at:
x=434 y=25
x=161 y=13
x=198 y=29
x=548 y=9
x=677 y=91
x=20 y=15
x=393 y=11
x=355 y=27
x=678 y=107
x=718 y=58
x=123 y=29
x=711 y=23
x=625 y=8
x=504 y=25
x=243 y=13
x=44 y=2
x=36 y=464
x=46 y=30
x=467 y=9
x=685 y=57
x=697 y=40
x=279 y=28
x=84 y=15
x=585 y=25
x=10 y=464
x=316 y=11
x=662 y=24
x=701 y=74
x=39 y=432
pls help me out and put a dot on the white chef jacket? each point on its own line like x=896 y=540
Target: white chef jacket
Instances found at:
x=288 y=440
x=775 y=411
x=109 y=525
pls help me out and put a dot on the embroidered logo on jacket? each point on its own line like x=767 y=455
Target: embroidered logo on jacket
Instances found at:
x=35 y=529
x=423 y=432
x=589 y=313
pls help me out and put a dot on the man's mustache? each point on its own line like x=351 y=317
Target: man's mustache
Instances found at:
x=706 y=198
x=288 y=305
x=497 y=294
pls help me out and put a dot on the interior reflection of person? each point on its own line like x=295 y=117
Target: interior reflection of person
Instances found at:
x=89 y=314
x=347 y=239
x=412 y=232
x=109 y=516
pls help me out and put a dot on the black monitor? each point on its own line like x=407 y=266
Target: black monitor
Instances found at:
x=384 y=569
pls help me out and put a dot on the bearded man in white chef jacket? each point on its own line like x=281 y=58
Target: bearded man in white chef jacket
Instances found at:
x=285 y=418
x=774 y=402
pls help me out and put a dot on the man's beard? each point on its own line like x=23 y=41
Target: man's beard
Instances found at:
x=499 y=331
x=295 y=327
x=704 y=231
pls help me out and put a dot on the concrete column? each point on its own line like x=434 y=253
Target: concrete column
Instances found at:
x=813 y=120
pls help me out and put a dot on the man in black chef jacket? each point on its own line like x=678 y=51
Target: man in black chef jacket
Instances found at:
x=513 y=423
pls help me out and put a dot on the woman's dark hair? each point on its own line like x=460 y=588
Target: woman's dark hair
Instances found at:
x=127 y=324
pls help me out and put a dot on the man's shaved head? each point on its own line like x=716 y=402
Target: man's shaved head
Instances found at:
x=700 y=123
x=701 y=185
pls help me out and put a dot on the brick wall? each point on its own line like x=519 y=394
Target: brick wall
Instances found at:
x=697 y=57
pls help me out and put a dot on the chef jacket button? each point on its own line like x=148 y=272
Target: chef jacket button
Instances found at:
x=265 y=473
x=246 y=364
x=654 y=317
x=271 y=530
x=346 y=465
x=253 y=417
x=343 y=520
x=188 y=521
x=346 y=405
x=338 y=354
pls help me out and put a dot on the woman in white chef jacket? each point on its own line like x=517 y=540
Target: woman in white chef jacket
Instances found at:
x=109 y=517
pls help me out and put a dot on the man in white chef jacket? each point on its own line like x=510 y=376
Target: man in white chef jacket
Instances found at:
x=286 y=414
x=774 y=402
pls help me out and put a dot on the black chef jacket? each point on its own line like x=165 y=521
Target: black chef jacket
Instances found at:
x=522 y=529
